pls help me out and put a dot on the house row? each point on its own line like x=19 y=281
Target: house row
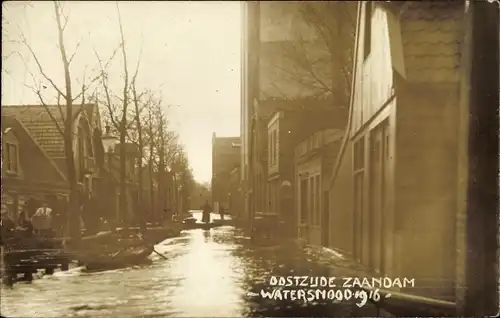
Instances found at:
x=34 y=163
x=399 y=184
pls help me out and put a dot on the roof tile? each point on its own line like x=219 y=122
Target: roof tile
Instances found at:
x=431 y=40
x=40 y=124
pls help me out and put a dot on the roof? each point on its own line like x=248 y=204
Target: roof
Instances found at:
x=36 y=165
x=431 y=35
x=40 y=124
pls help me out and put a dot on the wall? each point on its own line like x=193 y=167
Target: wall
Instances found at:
x=249 y=89
x=425 y=185
x=308 y=168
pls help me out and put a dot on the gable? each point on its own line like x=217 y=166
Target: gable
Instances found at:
x=35 y=165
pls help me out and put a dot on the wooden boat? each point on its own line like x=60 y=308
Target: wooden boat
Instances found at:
x=126 y=246
x=153 y=235
x=115 y=259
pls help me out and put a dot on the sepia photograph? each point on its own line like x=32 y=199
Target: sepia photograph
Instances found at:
x=250 y=158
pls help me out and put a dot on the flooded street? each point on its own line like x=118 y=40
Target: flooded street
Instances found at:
x=203 y=274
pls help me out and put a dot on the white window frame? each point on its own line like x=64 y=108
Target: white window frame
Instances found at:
x=9 y=158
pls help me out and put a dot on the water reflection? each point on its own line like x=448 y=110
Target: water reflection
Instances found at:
x=206 y=274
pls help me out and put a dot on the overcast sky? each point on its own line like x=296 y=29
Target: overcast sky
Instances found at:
x=190 y=53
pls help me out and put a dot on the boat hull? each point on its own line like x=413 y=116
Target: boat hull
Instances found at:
x=102 y=261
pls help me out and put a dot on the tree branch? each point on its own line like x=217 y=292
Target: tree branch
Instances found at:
x=40 y=68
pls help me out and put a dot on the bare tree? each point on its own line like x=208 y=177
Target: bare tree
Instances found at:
x=8 y=38
x=119 y=112
x=318 y=57
x=66 y=116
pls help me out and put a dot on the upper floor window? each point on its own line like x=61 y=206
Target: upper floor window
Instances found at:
x=11 y=152
x=367 y=42
x=275 y=146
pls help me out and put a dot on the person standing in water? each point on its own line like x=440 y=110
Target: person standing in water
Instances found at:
x=206 y=212
x=221 y=212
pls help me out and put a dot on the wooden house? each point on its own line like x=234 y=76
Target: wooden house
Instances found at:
x=27 y=171
x=290 y=122
x=314 y=160
x=44 y=124
x=399 y=186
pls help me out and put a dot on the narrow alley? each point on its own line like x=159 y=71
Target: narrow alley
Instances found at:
x=203 y=273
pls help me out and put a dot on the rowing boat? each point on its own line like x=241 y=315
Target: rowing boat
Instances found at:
x=95 y=260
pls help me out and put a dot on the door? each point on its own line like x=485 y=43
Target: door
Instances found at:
x=387 y=216
x=376 y=193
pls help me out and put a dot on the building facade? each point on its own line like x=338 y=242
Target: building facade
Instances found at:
x=314 y=160
x=394 y=186
x=249 y=93
x=225 y=157
x=45 y=124
x=28 y=174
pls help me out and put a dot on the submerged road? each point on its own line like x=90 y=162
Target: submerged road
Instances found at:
x=212 y=273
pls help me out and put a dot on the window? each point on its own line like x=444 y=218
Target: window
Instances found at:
x=275 y=146
x=312 y=202
x=367 y=43
x=303 y=201
x=12 y=157
x=318 y=200
x=90 y=151
x=270 y=148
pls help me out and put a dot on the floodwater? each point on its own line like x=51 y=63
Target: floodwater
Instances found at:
x=201 y=274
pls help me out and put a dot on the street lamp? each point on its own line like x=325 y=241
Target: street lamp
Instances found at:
x=109 y=141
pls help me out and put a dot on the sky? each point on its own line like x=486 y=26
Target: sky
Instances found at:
x=190 y=54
